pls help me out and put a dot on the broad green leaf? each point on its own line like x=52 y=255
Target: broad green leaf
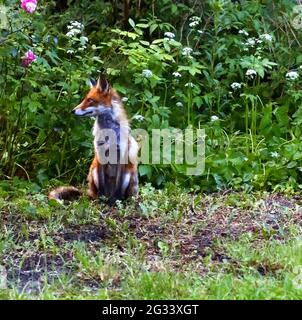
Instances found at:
x=131 y=22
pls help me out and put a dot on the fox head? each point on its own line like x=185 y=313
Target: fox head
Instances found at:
x=97 y=99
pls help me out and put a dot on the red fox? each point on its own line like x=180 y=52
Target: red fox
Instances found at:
x=113 y=171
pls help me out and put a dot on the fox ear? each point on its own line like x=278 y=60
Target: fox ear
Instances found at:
x=103 y=84
x=92 y=82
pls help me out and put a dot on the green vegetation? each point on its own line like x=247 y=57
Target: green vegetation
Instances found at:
x=179 y=246
x=232 y=68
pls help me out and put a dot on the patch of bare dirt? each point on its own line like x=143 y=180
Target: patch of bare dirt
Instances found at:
x=28 y=271
x=196 y=234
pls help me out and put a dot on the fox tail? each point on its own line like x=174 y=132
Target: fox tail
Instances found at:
x=65 y=194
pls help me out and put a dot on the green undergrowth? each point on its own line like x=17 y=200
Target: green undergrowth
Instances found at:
x=167 y=244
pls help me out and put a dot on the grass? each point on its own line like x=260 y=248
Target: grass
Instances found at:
x=169 y=244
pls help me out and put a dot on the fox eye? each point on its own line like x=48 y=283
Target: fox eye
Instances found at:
x=90 y=100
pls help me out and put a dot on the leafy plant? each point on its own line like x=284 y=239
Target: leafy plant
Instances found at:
x=231 y=68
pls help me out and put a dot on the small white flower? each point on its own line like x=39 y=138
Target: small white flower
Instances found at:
x=76 y=24
x=193 y=24
x=176 y=74
x=69 y=34
x=138 y=117
x=300 y=67
x=292 y=75
x=147 y=73
x=74 y=28
x=84 y=39
x=125 y=99
x=251 y=73
x=236 y=85
x=179 y=104
x=243 y=32
x=190 y=85
x=250 y=42
x=214 y=118
x=200 y=31
x=274 y=154
x=195 y=18
x=73 y=32
x=70 y=51
x=169 y=35
x=266 y=37
x=187 y=51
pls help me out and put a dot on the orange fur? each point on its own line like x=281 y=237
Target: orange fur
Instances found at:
x=92 y=188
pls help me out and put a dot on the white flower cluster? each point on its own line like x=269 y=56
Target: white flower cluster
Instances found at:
x=251 y=73
x=83 y=41
x=250 y=42
x=194 y=22
x=236 y=85
x=138 y=117
x=169 y=35
x=253 y=42
x=214 y=118
x=292 y=75
x=274 y=154
x=243 y=32
x=190 y=85
x=187 y=51
x=74 y=28
x=266 y=37
x=147 y=73
x=179 y=104
x=176 y=74
x=77 y=41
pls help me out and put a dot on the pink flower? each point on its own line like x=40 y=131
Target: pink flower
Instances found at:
x=28 y=59
x=29 y=5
